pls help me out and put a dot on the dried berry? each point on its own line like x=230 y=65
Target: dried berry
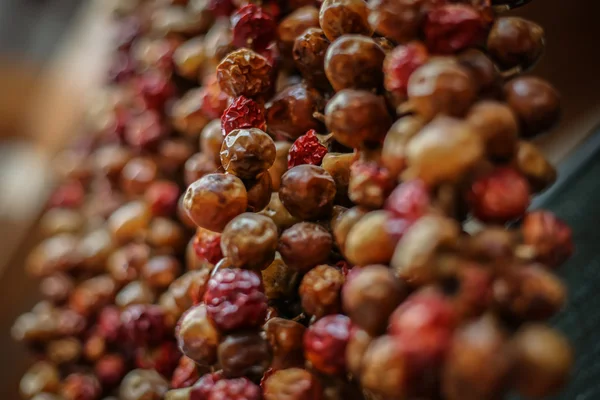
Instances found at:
x=68 y=195
x=357 y=117
x=78 y=386
x=399 y=65
x=244 y=354
x=550 y=237
x=143 y=384
x=197 y=336
x=409 y=201
x=40 y=377
x=247 y=152
x=309 y=56
x=235 y=299
x=341 y=17
x=293 y=26
x=235 y=389
x=249 y=241
x=160 y=271
x=199 y=165
x=110 y=369
x=252 y=27
x=189 y=58
x=371 y=240
x=370 y=184
x=450 y=28
x=162 y=197
x=259 y=192
x=384 y=368
x=320 y=291
x=244 y=73
x=285 y=339
x=214 y=200
x=243 y=113
x=338 y=166
x=307 y=149
x=370 y=295
x=498 y=127
x=531 y=162
x=515 y=42
x=145 y=130
x=292 y=384
x=211 y=139
x=325 y=344
x=202 y=388
x=500 y=196
x=354 y=62
x=305 y=245
x=307 y=192
x=186 y=373
x=483 y=70
x=397 y=20
x=155 y=89
x=143 y=324
x=162 y=358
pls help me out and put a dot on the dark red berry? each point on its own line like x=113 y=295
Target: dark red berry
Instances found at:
x=325 y=344
x=235 y=299
x=109 y=323
x=163 y=358
x=306 y=150
x=202 y=388
x=162 y=197
x=185 y=374
x=243 y=113
x=409 y=201
x=143 y=324
x=252 y=27
x=220 y=8
x=235 y=389
x=399 y=65
x=155 y=89
x=451 y=28
x=67 y=195
x=207 y=245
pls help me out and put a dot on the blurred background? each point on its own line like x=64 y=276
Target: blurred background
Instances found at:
x=53 y=54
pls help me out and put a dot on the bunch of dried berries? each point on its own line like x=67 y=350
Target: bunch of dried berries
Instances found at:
x=269 y=200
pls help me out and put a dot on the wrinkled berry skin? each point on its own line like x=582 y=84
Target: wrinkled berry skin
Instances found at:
x=244 y=354
x=451 y=28
x=235 y=389
x=343 y=17
x=244 y=73
x=235 y=299
x=309 y=57
x=203 y=386
x=370 y=184
x=499 y=197
x=305 y=245
x=285 y=338
x=143 y=324
x=243 y=113
x=307 y=192
x=197 y=336
x=551 y=238
x=397 y=20
x=320 y=291
x=325 y=344
x=249 y=241
x=247 y=153
x=207 y=245
x=292 y=384
x=399 y=65
x=370 y=295
x=306 y=150
x=252 y=27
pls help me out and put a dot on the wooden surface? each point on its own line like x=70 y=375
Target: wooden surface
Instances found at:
x=571 y=63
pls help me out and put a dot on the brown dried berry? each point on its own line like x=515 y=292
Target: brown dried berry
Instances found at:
x=40 y=377
x=397 y=20
x=531 y=162
x=384 y=368
x=244 y=354
x=341 y=17
x=199 y=165
x=292 y=384
x=294 y=25
x=354 y=62
x=285 y=338
x=214 y=200
x=143 y=384
x=309 y=56
x=393 y=152
x=279 y=280
x=307 y=192
x=244 y=73
x=197 y=336
x=250 y=241
x=305 y=245
x=370 y=184
x=498 y=127
x=247 y=152
x=371 y=239
x=515 y=42
x=320 y=291
x=278 y=213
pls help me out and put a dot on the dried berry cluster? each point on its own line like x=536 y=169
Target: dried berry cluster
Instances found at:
x=270 y=203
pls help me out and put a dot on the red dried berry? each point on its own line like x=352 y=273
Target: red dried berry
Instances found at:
x=243 y=113
x=252 y=27
x=162 y=197
x=185 y=374
x=424 y=324
x=306 y=150
x=68 y=195
x=109 y=323
x=163 y=359
x=370 y=184
x=145 y=130
x=451 y=28
x=409 y=201
x=399 y=65
x=214 y=100
x=201 y=389
x=551 y=238
x=80 y=387
x=235 y=299
x=325 y=344
x=110 y=369
x=207 y=245
x=500 y=196
x=235 y=389
x=143 y=324
x=155 y=89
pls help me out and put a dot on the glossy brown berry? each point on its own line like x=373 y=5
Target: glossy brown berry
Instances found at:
x=294 y=25
x=244 y=73
x=498 y=127
x=397 y=20
x=370 y=295
x=211 y=139
x=247 y=152
x=515 y=42
x=259 y=192
x=532 y=163
x=197 y=336
x=384 y=368
x=320 y=291
x=371 y=239
x=305 y=245
x=285 y=337
x=199 y=165
x=354 y=62
x=307 y=192
x=356 y=117
x=244 y=354
x=250 y=241
x=278 y=213
x=483 y=70
x=309 y=56
x=341 y=17
x=214 y=200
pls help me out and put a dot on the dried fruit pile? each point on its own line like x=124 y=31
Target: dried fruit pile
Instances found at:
x=269 y=202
